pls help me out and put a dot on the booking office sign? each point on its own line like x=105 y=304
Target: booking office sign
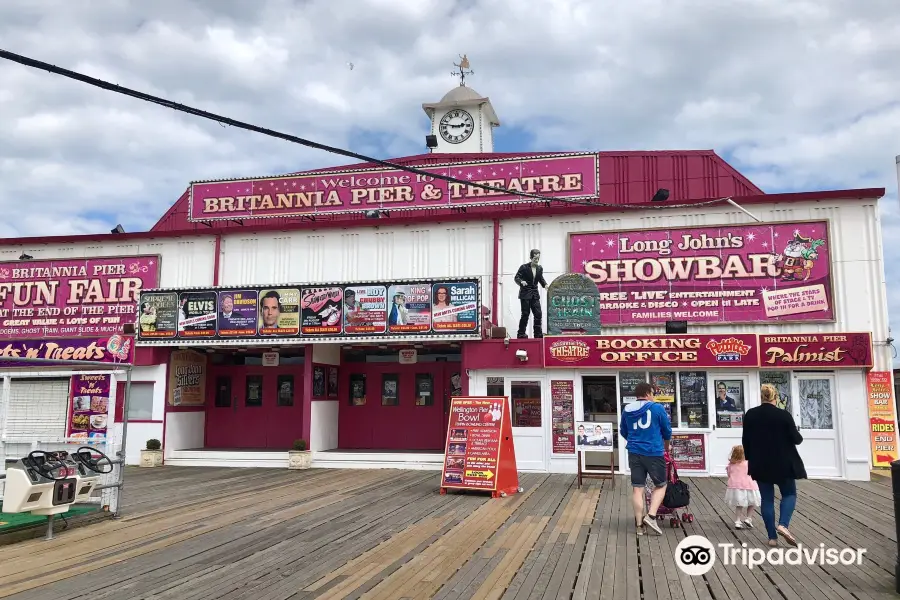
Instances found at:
x=695 y=555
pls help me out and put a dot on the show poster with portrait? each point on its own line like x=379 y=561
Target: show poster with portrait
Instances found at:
x=238 y=316
x=591 y=436
x=279 y=311
x=159 y=315
x=365 y=310
x=197 y=314
x=663 y=386
x=318 y=390
x=454 y=307
x=409 y=308
x=729 y=403
x=89 y=416
x=321 y=310
x=736 y=273
x=562 y=402
x=473 y=443
x=332 y=387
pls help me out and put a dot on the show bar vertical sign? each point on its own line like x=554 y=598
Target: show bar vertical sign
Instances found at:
x=882 y=418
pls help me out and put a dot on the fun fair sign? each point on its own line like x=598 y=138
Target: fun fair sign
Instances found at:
x=721 y=274
x=570 y=176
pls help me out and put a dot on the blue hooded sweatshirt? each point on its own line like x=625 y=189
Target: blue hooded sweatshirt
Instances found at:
x=645 y=425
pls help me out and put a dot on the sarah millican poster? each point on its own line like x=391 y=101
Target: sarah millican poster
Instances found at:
x=237 y=313
x=279 y=311
x=365 y=309
x=409 y=308
x=454 y=307
x=197 y=314
x=321 y=311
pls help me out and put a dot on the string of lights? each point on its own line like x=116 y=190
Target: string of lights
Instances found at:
x=223 y=120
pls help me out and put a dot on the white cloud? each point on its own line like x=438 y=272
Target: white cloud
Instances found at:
x=802 y=94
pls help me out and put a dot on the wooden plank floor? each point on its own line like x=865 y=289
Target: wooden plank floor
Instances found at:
x=195 y=533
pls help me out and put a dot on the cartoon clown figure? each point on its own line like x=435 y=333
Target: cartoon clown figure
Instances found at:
x=799 y=257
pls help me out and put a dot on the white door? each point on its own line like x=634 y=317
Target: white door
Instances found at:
x=731 y=399
x=529 y=421
x=813 y=411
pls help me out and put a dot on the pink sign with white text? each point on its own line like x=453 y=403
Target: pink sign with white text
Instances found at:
x=70 y=298
x=572 y=176
x=746 y=273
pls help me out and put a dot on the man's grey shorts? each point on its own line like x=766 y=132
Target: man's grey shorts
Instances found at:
x=641 y=466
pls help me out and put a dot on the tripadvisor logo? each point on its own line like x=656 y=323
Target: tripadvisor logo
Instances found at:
x=695 y=555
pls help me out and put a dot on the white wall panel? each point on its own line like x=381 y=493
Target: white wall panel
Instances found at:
x=440 y=250
x=185 y=261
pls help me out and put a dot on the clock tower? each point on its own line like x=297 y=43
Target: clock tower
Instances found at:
x=463 y=121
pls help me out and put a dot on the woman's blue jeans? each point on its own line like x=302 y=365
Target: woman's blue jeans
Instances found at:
x=788 y=491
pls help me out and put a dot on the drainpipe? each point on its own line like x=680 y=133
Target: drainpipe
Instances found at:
x=496 y=273
x=216 y=259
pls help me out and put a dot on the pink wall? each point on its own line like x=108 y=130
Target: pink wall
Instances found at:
x=494 y=354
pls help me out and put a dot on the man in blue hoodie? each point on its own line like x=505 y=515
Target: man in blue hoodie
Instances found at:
x=647 y=430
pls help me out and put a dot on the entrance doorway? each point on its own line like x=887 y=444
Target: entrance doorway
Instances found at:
x=598 y=397
x=731 y=399
x=254 y=407
x=386 y=405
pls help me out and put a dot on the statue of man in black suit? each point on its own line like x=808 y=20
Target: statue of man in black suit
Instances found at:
x=528 y=277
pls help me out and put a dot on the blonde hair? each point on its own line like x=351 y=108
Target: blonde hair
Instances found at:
x=737 y=454
x=769 y=393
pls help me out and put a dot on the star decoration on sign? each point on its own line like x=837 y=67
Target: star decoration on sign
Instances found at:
x=751 y=236
x=610 y=243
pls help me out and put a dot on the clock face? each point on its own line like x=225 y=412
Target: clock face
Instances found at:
x=456 y=126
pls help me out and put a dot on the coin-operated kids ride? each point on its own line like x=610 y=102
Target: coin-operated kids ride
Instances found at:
x=50 y=482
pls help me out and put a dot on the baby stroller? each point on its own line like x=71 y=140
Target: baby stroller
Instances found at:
x=677 y=497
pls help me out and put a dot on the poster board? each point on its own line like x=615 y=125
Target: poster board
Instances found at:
x=562 y=402
x=689 y=451
x=595 y=436
x=89 y=409
x=882 y=418
x=479 y=453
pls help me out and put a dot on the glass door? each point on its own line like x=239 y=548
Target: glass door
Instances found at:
x=526 y=409
x=813 y=410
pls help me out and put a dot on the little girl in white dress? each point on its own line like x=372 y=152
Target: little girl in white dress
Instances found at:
x=742 y=493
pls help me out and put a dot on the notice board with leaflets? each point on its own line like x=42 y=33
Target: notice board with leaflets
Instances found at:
x=479 y=453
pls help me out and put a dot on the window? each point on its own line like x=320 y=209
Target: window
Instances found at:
x=693 y=400
x=253 y=392
x=729 y=398
x=495 y=386
x=285 y=390
x=782 y=382
x=628 y=380
x=140 y=402
x=357 y=389
x=223 y=392
x=425 y=389
x=598 y=397
x=815 y=401
x=526 y=403
x=390 y=382
x=664 y=392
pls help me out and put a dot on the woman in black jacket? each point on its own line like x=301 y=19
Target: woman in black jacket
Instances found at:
x=770 y=444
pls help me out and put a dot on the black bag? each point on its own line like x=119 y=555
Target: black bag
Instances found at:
x=678 y=494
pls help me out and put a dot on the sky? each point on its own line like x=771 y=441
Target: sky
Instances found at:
x=797 y=95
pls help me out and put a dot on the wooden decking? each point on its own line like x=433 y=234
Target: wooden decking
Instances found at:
x=202 y=533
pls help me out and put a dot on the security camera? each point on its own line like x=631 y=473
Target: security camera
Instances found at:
x=522 y=355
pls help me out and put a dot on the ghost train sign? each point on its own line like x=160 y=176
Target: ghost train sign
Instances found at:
x=574 y=305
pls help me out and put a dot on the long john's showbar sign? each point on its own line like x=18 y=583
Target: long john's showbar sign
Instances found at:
x=829 y=350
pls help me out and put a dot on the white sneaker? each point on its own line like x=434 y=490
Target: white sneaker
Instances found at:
x=738 y=525
x=652 y=524
x=748 y=522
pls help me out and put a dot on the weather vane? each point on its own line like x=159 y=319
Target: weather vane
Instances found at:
x=464 y=70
